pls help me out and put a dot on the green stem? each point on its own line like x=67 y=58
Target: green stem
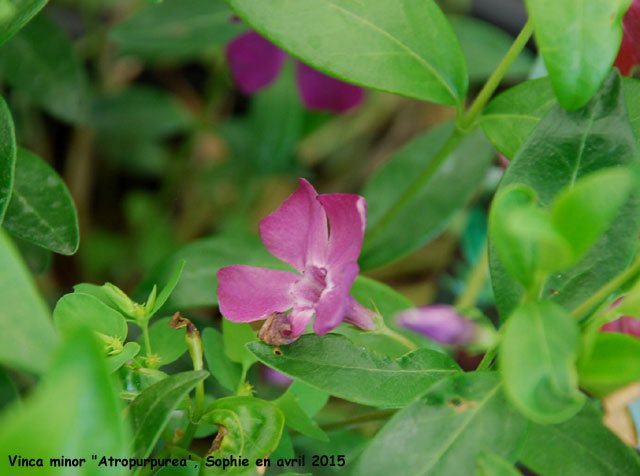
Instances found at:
x=607 y=289
x=485 y=363
x=383 y=330
x=466 y=124
x=475 y=282
x=144 y=325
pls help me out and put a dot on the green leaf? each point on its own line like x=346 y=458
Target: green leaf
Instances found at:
x=444 y=430
x=582 y=445
x=484 y=45
x=130 y=350
x=22 y=12
x=41 y=210
x=166 y=342
x=74 y=310
x=253 y=429
x=579 y=40
x=40 y=62
x=582 y=212
x=7 y=157
x=538 y=356
x=426 y=215
x=75 y=412
x=226 y=372
x=111 y=295
x=27 y=336
x=564 y=147
x=150 y=411
x=8 y=390
x=310 y=399
x=614 y=361
x=296 y=418
x=167 y=289
x=409 y=50
x=181 y=29
x=490 y=464
x=333 y=364
x=203 y=259
x=235 y=337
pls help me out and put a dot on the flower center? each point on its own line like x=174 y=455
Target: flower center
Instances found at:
x=307 y=290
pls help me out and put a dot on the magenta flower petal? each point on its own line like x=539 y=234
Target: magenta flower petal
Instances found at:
x=246 y=293
x=276 y=378
x=439 y=322
x=360 y=316
x=629 y=53
x=335 y=301
x=324 y=93
x=347 y=217
x=297 y=232
x=254 y=61
x=299 y=318
x=625 y=325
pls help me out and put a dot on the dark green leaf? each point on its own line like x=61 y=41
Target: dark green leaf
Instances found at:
x=166 y=342
x=75 y=310
x=27 y=336
x=429 y=211
x=333 y=364
x=7 y=157
x=176 y=29
x=582 y=445
x=538 y=357
x=296 y=418
x=167 y=289
x=253 y=429
x=579 y=41
x=41 y=210
x=563 y=148
x=40 y=62
x=443 y=431
x=8 y=391
x=410 y=49
x=150 y=411
x=18 y=16
x=226 y=372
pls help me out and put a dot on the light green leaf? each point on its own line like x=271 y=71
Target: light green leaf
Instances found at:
x=409 y=50
x=18 y=16
x=166 y=342
x=130 y=350
x=296 y=418
x=7 y=157
x=74 y=310
x=425 y=216
x=41 y=210
x=225 y=371
x=444 y=430
x=333 y=364
x=27 y=336
x=490 y=464
x=310 y=399
x=40 y=62
x=235 y=336
x=167 y=289
x=538 y=356
x=150 y=411
x=579 y=40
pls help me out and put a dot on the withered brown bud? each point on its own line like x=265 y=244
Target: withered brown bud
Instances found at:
x=276 y=330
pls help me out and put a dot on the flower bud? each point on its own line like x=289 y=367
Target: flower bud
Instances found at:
x=439 y=322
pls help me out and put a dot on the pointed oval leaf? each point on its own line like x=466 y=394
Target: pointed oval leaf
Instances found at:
x=225 y=371
x=74 y=310
x=7 y=157
x=410 y=49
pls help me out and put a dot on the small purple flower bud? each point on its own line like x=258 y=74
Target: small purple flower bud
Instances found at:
x=439 y=322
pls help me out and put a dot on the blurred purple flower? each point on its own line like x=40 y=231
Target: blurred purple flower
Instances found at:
x=625 y=324
x=439 y=322
x=276 y=378
x=629 y=53
x=298 y=234
x=256 y=62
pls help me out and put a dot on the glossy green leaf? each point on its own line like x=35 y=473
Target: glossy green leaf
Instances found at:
x=490 y=464
x=538 y=354
x=150 y=411
x=180 y=29
x=41 y=63
x=253 y=429
x=130 y=350
x=511 y=116
x=203 y=259
x=75 y=412
x=7 y=157
x=23 y=11
x=74 y=310
x=614 y=361
x=41 y=210
x=296 y=418
x=27 y=336
x=484 y=45
x=166 y=342
x=426 y=215
x=579 y=446
x=335 y=365
x=409 y=50
x=565 y=146
x=579 y=40
x=235 y=336
x=444 y=430
x=225 y=371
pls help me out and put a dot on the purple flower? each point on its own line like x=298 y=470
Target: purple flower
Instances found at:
x=625 y=325
x=276 y=378
x=439 y=322
x=321 y=237
x=629 y=53
x=256 y=62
